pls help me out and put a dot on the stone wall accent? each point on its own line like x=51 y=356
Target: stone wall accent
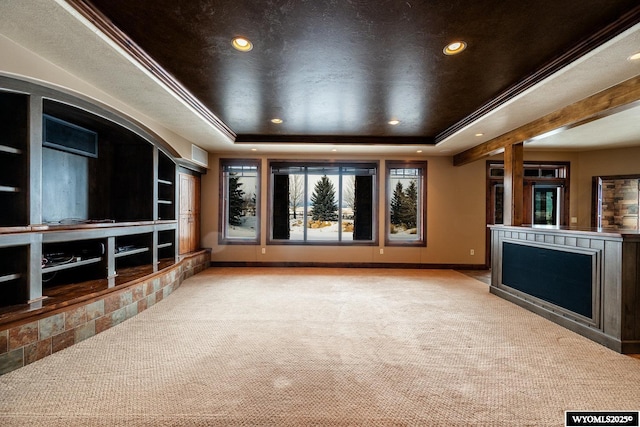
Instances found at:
x=620 y=204
x=45 y=334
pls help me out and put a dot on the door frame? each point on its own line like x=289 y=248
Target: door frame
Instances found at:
x=527 y=194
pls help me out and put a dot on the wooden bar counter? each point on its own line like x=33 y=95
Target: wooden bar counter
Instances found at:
x=585 y=280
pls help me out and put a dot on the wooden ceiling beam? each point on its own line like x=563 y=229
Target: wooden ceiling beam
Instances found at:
x=602 y=103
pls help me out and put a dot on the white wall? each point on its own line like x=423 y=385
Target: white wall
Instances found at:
x=18 y=62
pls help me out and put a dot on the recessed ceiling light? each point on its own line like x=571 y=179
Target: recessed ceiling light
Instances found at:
x=479 y=134
x=419 y=151
x=334 y=149
x=254 y=149
x=242 y=44
x=634 y=57
x=276 y=121
x=454 y=48
x=393 y=122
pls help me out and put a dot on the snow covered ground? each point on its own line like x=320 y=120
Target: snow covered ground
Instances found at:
x=327 y=233
x=402 y=235
x=246 y=230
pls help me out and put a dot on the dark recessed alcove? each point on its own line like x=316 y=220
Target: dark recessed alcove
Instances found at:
x=114 y=185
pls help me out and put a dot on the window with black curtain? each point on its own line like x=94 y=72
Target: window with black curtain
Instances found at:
x=322 y=203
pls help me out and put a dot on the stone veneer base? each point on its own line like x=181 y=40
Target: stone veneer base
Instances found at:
x=45 y=334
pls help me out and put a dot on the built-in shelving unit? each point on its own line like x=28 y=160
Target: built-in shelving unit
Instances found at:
x=134 y=250
x=86 y=197
x=72 y=261
x=14 y=110
x=166 y=188
x=13 y=274
x=166 y=244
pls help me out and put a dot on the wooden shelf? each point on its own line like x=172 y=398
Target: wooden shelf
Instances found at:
x=72 y=264
x=9 y=277
x=7 y=189
x=131 y=252
x=10 y=150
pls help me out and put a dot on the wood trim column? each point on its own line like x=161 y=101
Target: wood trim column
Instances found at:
x=513 y=184
x=34 y=191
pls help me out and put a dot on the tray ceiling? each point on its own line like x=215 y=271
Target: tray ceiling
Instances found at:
x=336 y=72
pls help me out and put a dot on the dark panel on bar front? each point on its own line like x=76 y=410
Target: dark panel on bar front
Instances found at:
x=559 y=277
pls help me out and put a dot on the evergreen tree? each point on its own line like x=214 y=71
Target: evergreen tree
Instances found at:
x=324 y=202
x=410 y=209
x=396 y=204
x=236 y=200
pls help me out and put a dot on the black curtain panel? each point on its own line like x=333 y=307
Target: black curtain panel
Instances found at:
x=281 y=207
x=363 y=215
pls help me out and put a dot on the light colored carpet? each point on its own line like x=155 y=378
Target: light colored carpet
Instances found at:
x=324 y=347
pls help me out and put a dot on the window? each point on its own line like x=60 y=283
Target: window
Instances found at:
x=331 y=203
x=239 y=201
x=406 y=200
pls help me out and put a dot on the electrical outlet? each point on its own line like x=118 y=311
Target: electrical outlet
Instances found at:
x=574 y=220
x=264 y=251
x=472 y=252
x=381 y=251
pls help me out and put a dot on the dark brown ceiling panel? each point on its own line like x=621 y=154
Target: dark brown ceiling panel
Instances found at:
x=343 y=69
x=335 y=139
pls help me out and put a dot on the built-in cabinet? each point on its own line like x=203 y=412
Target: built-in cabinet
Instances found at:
x=87 y=198
x=189 y=213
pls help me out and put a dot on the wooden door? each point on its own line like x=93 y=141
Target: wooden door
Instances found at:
x=189 y=221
